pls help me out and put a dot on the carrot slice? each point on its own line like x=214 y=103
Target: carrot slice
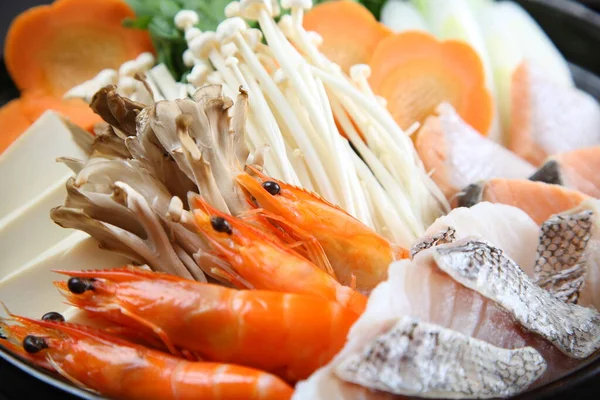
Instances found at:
x=78 y=111
x=350 y=32
x=13 y=121
x=55 y=47
x=415 y=72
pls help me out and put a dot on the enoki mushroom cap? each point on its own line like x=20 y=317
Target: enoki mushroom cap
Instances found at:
x=232 y=9
x=290 y=4
x=315 y=38
x=253 y=37
x=229 y=28
x=191 y=33
x=185 y=19
x=229 y=50
x=286 y=25
x=145 y=61
x=251 y=9
x=128 y=68
x=188 y=58
x=359 y=72
x=202 y=45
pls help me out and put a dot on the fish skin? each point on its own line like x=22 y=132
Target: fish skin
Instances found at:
x=414 y=358
x=508 y=228
x=589 y=295
x=446 y=236
x=419 y=289
x=573 y=329
x=561 y=265
x=548 y=173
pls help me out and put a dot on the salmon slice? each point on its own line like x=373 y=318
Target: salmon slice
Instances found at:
x=576 y=169
x=549 y=118
x=538 y=199
x=456 y=154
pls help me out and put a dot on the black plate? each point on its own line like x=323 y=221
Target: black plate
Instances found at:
x=576 y=32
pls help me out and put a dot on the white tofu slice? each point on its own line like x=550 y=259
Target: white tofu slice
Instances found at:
x=28 y=231
x=28 y=167
x=28 y=291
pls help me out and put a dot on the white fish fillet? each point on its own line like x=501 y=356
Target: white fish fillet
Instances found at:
x=480 y=266
x=426 y=360
x=508 y=228
x=419 y=289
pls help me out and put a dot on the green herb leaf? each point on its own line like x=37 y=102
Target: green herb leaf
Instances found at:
x=169 y=9
x=138 y=23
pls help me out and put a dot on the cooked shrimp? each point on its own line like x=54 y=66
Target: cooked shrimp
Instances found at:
x=288 y=334
x=354 y=250
x=261 y=262
x=115 y=368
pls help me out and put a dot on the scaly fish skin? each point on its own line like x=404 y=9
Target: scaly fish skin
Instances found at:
x=480 y=266
x=427 y=360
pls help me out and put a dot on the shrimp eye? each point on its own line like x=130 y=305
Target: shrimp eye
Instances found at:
x=219 y=224
x=53 y=316
x=33 y=344
x=272 y=187
x=78 y=285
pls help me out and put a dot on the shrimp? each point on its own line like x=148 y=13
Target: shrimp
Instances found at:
x=260 y=262
x=354 y=250
x=115 y=368
x=290 y=335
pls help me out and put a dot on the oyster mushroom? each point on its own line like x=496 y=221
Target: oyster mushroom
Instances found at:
x=128 y=194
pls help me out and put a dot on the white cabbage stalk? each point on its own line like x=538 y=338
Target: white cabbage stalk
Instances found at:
x=531 y=40
x=512 y=36
x=400 y=16
x=296 y=98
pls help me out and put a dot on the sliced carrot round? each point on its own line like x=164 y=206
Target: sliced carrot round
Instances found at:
x=34 y=104
x=350 y=32
x=55 y=47
x=415 y=72
x=13 y=121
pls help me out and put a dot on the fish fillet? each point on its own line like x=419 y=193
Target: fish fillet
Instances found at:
x=577 y=170
x=457 y=155
x=508 y=228
x=573 y=329
x=538 y=199
x=426 y=360
x=561 y=263
x=420 y=290
x=549 y=118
